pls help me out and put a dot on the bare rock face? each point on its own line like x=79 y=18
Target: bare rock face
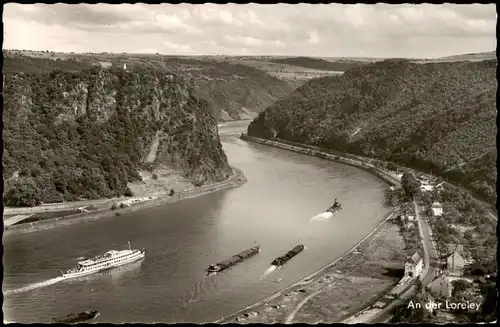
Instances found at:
x=86 y=134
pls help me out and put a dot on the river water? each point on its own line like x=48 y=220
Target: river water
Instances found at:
x=284 y=190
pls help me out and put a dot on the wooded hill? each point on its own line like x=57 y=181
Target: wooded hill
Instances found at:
x=437 y=117
x=319 y=64
x=233 y=90
x=78 y=134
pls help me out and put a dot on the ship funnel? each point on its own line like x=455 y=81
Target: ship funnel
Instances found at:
x=129 y=246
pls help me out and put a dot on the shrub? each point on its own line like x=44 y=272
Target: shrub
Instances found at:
x=128 y=192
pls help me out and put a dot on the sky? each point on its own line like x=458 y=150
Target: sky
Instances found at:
x=329 y=30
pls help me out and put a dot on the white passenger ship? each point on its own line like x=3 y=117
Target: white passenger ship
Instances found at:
x=105 y=261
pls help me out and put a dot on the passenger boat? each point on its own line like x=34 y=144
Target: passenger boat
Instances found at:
x=80 y=317
x=212 y=269
x=105 y=261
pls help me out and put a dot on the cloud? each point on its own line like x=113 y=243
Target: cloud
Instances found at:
x=380 y=30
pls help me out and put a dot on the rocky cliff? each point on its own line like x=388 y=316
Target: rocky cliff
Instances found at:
x=233 y=91
x=88 y=133
x=437 y=117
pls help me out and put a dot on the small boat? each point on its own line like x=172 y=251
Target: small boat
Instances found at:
x=105 y=261
x=212 y=269
x=334 y=209
x=280 y=261
x=336 y=206
x=78 y=317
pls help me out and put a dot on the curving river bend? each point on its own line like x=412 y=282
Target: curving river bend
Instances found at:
x=274 y=208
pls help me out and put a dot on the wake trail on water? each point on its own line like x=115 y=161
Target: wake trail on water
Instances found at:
x=322 y=216
x=34 y=286
x=268 y=271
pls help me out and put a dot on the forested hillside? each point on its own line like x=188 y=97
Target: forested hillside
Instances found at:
x=319 y=64
x=438 y=117
x=233 y=91
x=84 y=134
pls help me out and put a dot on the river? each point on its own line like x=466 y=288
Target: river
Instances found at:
x=284 y=190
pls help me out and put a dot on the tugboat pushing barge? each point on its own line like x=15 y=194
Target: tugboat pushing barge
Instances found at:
x=335 y=207
x=218 y=267
x=280 y=261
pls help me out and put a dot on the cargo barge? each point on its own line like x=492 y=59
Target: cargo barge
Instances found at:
x=212 y=269
x=280 y=261
x=80 y=317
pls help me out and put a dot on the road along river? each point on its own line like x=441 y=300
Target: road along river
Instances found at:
x=284 y=190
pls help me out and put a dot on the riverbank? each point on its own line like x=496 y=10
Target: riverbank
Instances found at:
x=345 y=286
x=235 y=180
x=316 y=152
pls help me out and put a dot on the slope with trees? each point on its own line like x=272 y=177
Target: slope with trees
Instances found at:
x=319 y=64
x=233 y=91
x=84 y=134
x=438 y=117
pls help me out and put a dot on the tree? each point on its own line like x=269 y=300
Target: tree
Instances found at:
x=418 y=286
x=22 y=193
x=128 y=192
x=415 y=313
x=459 y=286
x=427 y=198
x=410 y=185
x=489 y=305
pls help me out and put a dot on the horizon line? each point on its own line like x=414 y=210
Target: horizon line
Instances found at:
x=253 y=55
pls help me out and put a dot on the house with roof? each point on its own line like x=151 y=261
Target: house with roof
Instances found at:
x=455 y=262
x=410 y=225
x=441 y=286
x=104 y=64
x=437 y=209
x=414 y=265
x=439 y=186
x=406 y=210
x=424 y=187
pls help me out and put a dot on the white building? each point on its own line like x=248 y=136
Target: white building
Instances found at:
x=410 y=225
x=441 y=286
x=426 y=187
x=437 y=209
x=414 y=265
x=439 y=186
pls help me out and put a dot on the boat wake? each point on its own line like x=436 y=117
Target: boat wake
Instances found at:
x=34 y=286
x=322 y=216
x=268 y=271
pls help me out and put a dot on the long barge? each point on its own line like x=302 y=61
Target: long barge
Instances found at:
x=280 y=261
x=248 y=253
x=80 y=317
